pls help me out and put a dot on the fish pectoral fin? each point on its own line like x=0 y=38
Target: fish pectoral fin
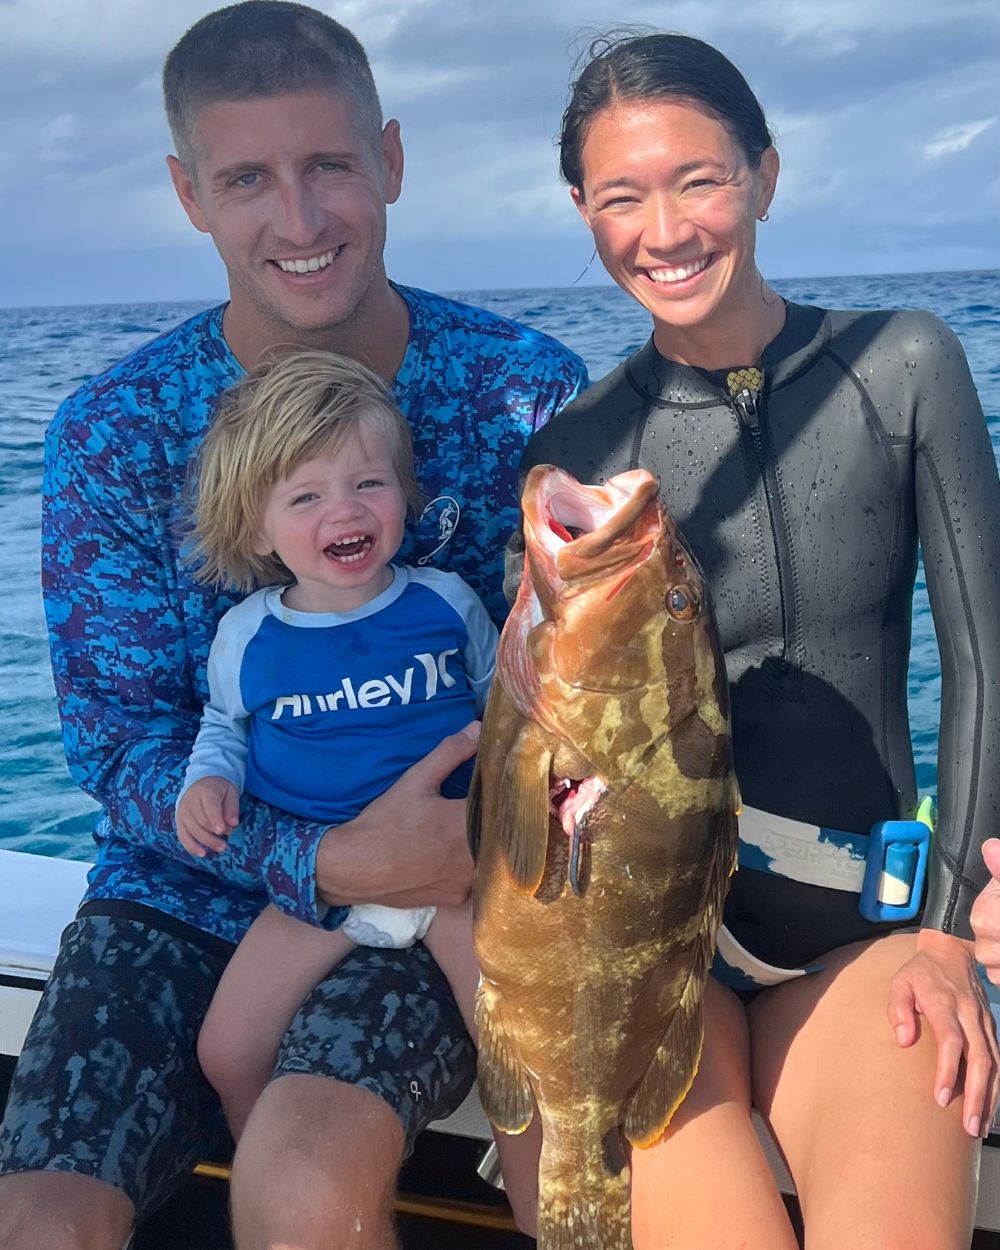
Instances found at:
x=523 y=808
x=504 y=1090
x=670 y=1074
x=474 y=813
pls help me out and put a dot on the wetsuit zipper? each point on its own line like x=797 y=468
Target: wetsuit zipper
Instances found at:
x=748 y=406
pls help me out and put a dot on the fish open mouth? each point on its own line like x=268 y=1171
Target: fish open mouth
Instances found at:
x=590 y=529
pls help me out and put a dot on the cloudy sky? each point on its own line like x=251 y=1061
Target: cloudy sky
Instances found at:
x=887 y=116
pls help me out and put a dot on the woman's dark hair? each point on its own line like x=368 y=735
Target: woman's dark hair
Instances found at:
x=652 y=67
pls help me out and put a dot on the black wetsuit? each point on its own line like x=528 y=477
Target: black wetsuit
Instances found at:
x=805 y=517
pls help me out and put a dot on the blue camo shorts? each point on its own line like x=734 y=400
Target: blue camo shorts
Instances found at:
x=108 y=1083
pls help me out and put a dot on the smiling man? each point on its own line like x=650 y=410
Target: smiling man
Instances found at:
x=283 y=158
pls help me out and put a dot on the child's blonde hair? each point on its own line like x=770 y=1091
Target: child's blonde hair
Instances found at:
x=283 y=413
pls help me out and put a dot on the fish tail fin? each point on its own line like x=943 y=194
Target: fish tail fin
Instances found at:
x=584 y=1203
x=605 y=1225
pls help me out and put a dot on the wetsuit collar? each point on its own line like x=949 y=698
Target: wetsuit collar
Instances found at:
x=804 y=335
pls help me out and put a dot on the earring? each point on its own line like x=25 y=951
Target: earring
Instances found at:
x=586 y=267
x=763 y=216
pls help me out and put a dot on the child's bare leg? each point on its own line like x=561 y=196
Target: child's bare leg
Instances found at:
x=449 y=940
x=268 y=978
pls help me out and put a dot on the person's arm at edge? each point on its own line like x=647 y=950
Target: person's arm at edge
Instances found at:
x=958 y=505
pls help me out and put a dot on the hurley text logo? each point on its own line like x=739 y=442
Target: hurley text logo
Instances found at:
x=378 y=692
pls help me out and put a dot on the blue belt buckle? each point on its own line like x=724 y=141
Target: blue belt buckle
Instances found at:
x=895 y=870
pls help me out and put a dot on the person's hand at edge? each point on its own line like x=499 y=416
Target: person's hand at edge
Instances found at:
x=941 y=984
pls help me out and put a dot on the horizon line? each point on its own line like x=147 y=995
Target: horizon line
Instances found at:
x=482 y=290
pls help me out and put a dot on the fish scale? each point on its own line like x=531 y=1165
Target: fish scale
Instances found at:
x=590 y=1004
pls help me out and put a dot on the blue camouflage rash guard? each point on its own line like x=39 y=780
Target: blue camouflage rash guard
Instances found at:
x=130 y=629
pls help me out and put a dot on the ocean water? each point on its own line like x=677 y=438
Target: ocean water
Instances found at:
x=48 y=352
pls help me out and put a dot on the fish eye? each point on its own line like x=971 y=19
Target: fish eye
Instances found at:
x=682 y=603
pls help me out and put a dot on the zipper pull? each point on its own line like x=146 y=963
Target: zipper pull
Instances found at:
x=746 y=405
x=745 y=386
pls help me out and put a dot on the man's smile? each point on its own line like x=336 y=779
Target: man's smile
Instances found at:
x=310 y=264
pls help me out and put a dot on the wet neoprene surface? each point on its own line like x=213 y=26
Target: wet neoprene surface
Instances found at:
x=871 y=436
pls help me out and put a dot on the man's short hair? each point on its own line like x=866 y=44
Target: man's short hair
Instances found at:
x=287 y=411
x=260 y=49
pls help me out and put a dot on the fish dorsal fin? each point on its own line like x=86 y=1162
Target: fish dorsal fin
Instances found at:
x=670 y=1074
x=523 y=808
x=502 y=1082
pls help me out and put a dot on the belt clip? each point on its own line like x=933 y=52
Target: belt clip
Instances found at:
x=896 y=867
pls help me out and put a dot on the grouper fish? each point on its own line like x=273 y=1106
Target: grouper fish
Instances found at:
x=602 y=819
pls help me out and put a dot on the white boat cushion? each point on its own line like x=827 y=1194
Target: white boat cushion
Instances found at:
x=38 y=898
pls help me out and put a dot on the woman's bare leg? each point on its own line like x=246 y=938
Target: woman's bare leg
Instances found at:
x=877 y=1163
x=707 y=1184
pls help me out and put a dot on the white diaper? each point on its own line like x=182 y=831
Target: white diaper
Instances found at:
x=368 y=924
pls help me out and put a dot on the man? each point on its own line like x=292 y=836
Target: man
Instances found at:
x=283 y=159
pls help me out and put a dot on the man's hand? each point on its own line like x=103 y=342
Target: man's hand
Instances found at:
x=208 y=811
x=985 y=915
x=409 y=847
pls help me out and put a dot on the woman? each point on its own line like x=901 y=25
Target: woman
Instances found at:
x=804 y=454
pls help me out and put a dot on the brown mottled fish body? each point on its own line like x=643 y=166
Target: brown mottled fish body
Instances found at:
x=603 y=821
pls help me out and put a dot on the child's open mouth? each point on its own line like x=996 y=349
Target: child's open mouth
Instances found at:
x=350 y=550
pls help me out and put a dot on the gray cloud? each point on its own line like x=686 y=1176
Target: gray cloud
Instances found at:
x=882 y=112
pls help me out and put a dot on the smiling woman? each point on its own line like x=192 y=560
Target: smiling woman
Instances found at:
x=672 y=201
x=804 y=453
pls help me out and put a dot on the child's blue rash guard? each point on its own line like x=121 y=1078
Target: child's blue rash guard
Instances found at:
x=318 y=713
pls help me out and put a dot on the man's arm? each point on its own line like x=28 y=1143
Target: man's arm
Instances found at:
x=120 y=632
x=117 y=639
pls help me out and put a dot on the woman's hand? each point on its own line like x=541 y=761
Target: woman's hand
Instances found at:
x=985 y=917
x=941 y=984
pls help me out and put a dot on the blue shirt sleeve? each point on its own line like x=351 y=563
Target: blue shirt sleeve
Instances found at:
x=116 y=641
x=220 y=749
x=480 y=656
x=123 y=674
